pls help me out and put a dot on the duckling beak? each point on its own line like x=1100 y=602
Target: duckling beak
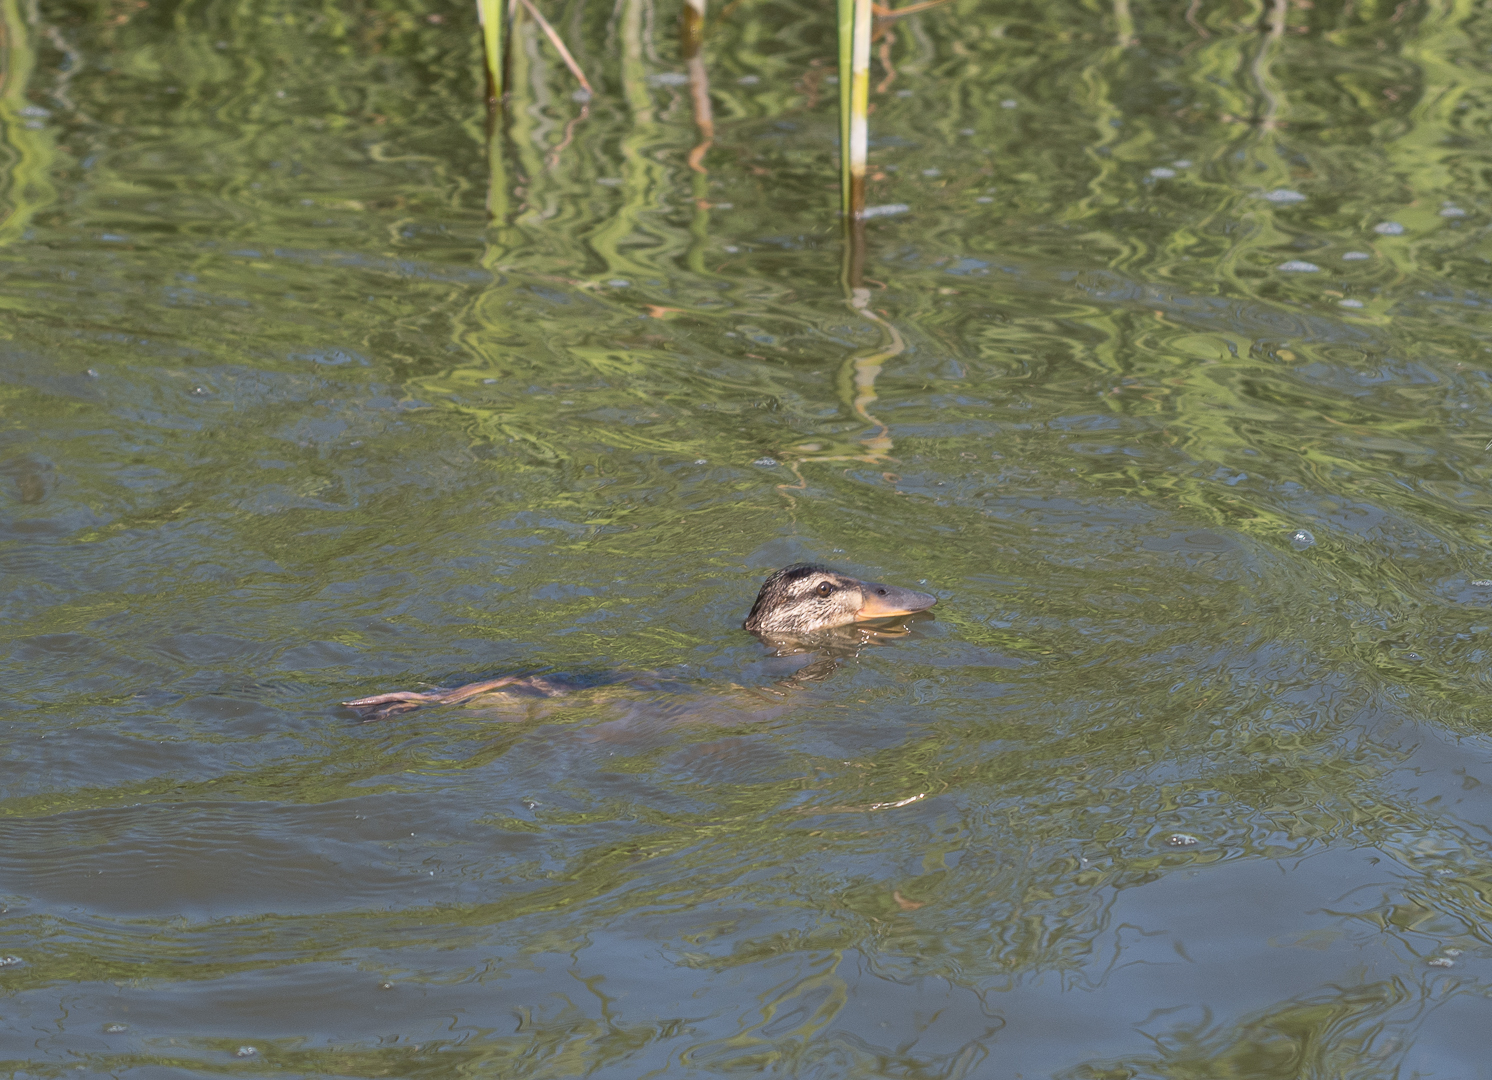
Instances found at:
x=887 y=601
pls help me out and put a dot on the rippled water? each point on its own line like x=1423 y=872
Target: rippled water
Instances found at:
x=1172 y=382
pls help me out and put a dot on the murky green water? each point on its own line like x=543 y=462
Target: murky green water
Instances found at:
x=283 y=421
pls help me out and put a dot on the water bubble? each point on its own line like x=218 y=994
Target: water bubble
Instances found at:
x=91 y=373
x=10 y=961
x=245 y=1051
x=1162 y=173
x=1388 y=228
x=1302 y=538
x=1009 y=103
x=1299 y=266
x=115 y=1029
x=701 y=461
x=1350 y=303
x=1451 y=952
x=1441 y=962
x=1284 y=195
x=885 y=211
x=1182 y=839
x=765 y=462
x=1356 y=256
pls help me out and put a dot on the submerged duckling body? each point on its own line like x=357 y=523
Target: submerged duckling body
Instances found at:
x=795 y=605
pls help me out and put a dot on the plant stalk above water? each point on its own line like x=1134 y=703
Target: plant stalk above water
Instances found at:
x=853 y=26
x=857 y=103
x=692 y=28
x=490 y=17
x=559 y=46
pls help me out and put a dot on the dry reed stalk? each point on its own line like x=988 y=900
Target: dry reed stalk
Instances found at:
x=882 y=12
x=559 y=46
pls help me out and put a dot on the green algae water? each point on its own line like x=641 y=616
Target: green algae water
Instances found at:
x=1166 y=365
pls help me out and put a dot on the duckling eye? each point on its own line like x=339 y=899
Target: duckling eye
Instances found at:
x=825 y=588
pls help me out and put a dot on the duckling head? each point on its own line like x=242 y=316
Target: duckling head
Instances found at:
x=799 y=600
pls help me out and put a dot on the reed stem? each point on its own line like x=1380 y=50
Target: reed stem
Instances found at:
x=859 y=105
x=490 y=17
x=882 y=12
x=846 y=11
x=559 y=45
x=692 y=28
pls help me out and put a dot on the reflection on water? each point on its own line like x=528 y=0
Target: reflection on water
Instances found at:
x=287 y=418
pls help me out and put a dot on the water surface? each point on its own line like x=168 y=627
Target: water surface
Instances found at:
x=1171 y=380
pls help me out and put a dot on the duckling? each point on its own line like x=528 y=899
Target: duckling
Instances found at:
x=797 y=605
x=800 y=600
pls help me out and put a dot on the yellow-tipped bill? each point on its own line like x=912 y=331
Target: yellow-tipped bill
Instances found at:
x=888 y=601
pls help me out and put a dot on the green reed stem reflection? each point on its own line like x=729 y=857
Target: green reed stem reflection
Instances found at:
x=25 y=182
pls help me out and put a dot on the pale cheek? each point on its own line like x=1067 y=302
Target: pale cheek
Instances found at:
x=853 y=602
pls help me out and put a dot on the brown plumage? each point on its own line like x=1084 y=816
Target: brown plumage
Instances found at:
x=799 y=600
x=795 y=603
